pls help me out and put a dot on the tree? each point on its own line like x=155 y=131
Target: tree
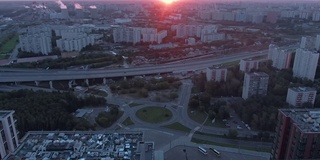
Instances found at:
x=233 y=133
x=194 y=103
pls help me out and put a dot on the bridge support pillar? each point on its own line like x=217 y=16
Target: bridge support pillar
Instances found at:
x=104 y=81
x=51 y=85
x=37 y=83
x=87 y=82
x=125 y=78
x=70 y=84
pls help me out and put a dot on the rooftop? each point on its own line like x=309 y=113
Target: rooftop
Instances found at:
x=217 y=67
x=302 y=89
x=83 y=145
x=4 y=113
x=307 y=120
x=260 y=74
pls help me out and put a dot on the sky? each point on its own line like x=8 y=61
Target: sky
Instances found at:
x=179 y=0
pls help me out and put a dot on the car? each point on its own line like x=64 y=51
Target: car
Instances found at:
x=224 y=120
x=239 y=127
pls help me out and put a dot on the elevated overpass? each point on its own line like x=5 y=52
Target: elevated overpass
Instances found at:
x=56 y=75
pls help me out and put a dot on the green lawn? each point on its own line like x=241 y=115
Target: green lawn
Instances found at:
x=230 y=64
x=200 y=141
x=4 y=56
x=197 y=116
x=134 y=104
x=128 y=122
x=217 y=123
x=178 y=126
x=154 y=114
x=9 y=45
x=200 y=117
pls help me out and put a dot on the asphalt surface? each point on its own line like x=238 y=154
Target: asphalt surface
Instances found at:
x=48 y=75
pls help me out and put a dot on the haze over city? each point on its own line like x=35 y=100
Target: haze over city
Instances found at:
x=160 y=80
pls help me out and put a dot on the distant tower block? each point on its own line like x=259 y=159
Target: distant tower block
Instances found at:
x=64 y=13
x=79 y=13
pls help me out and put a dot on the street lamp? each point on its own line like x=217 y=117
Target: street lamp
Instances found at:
x=185 y=153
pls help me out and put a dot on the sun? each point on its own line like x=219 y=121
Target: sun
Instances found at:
x=168 y=1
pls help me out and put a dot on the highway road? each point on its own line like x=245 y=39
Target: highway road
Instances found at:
x=49 y=75
x=52 y=75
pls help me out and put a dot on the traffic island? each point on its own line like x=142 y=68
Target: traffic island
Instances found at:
x=154 y=114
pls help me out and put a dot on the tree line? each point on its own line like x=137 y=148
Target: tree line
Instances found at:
x=39 y=110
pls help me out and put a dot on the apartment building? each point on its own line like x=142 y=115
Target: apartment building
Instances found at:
x=296 y=96
x=39 y=43
x=247 y=64
x=255 y=84
x=297 y=134
x=305 y=64
x=281 y=59
x=9 y=135
x=216 y=73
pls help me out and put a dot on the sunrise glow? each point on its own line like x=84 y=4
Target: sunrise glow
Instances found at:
x=168 y=1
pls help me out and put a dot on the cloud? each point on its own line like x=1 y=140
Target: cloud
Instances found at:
x=77 y=6
x=62 y=6
x=93 y=7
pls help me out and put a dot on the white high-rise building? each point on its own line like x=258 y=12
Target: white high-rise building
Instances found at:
x=127 y=34
x=305 y=64
x=9 y=135
x=317 y=43
x=280 y=58
x=304 y=15
x=255 y=84
x=161 y=35
x=316 y=16
x=39 y=43
x=307 y=42
x=74 y=41
x=296 y=96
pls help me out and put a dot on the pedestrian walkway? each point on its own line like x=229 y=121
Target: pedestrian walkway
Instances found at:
x=193 y=131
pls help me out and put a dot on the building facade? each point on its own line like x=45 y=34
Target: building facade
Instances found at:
x=305 y=64
x=317 y=43
x=247 y=64
x=9 y=135
x=281 y=59
x=296 y=96
x=216 y=73
x=39 y=43
x=297 y=135
x=255 y=84
x=307 y=42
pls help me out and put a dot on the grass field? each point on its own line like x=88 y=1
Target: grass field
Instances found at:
x=4 y=56
x=197 y=116
x=128 y=122
x=200 y=141
x=178 y=126
x=9 y=45
x=134 y=104
x=154 y=114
